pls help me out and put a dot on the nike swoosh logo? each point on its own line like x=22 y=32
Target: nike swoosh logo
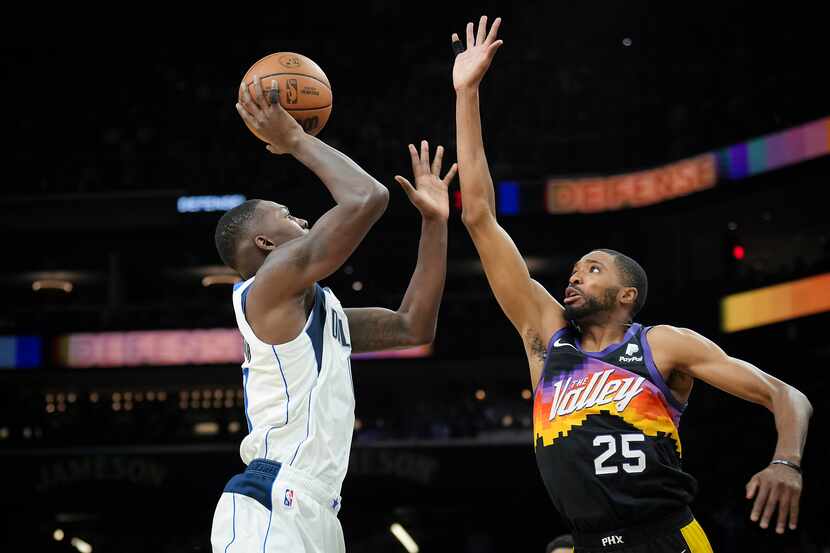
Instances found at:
x=559 y=343
x=684 y=551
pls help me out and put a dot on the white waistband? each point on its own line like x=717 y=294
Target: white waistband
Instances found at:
x=289 y=476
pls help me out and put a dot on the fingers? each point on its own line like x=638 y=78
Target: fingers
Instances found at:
x=783 y=512
x=769 y=508
x=482 y=37
x=246 y=102
x=482 y=29
x=425 y=156
x=246 y=116
x=795 y=499
x=420 y=162
x=416 y=161
x=771 y=492
x=259 y=97
x=494 y=31
x=457 y=47
x=491 y=50
x=274 y=93
x=450 y=174
x=405 y=184
x=436 y=163
x=751 y=487
x=760 y=501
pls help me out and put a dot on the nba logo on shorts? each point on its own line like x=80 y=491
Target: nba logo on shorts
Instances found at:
x=289 y=498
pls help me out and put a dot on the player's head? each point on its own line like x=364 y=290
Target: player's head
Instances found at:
x=562 y=544
x=246 y=234
x=605 y=284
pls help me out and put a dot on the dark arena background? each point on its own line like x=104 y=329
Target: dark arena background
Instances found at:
x=693 y=139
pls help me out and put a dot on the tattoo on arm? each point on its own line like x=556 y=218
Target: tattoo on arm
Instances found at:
x=375 y=329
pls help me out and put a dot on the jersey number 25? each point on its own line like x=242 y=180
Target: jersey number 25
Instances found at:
x=610 y=443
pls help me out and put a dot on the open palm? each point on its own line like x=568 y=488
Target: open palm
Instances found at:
x=429 y=194
x=471 y=64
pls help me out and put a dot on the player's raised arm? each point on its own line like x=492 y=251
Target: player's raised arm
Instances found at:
x=374 y=328
x=534 y=312
x=361 y=200
x=778 y=486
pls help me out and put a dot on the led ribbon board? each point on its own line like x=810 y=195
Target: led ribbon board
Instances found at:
x=173 y=347
x=774 y=304
x=20 y=352
x=156 y=348
x=407 y=353
x=609 y=193
x=593 y=195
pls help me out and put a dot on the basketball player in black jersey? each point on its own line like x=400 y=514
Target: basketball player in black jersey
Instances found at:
x=608 y=392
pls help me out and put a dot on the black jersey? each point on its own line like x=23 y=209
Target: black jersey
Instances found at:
x=605 y=427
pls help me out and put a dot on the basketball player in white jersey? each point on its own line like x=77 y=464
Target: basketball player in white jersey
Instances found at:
x=299 y=399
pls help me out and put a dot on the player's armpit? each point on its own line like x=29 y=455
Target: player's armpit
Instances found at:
x=376 y=329
x=525 y=302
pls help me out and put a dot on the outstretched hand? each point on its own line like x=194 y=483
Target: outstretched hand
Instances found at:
x=267 y=118
x=472 y=63
x=430 y=193
x=775 y=487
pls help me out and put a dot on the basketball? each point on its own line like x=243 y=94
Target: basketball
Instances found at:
x=304 y=90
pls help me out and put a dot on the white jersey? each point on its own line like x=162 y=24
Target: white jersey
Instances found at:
x=299 y=396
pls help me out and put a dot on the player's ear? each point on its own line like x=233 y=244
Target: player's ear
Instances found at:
x=628 y=296
x=264 y=243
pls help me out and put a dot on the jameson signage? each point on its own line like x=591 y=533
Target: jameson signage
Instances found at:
x=100 y=468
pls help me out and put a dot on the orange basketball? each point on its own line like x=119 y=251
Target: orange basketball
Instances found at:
x=304 y=89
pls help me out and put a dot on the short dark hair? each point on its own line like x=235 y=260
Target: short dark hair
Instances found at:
x=565 y=540
x=633 y=275
x=231 y=229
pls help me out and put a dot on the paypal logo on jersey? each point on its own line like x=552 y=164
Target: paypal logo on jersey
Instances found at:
x=337 y=329
x=630 y=350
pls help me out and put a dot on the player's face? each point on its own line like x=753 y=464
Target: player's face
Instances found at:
x=593 y=286
x=279 y=225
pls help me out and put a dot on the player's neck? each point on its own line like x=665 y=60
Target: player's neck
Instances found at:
x=596 y=336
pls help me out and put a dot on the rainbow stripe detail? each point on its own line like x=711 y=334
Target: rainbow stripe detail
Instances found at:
x=775 y=150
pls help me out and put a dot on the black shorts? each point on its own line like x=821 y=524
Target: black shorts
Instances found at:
x=678 y=533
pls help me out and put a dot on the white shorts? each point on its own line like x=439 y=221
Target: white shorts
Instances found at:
x=274 y=508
